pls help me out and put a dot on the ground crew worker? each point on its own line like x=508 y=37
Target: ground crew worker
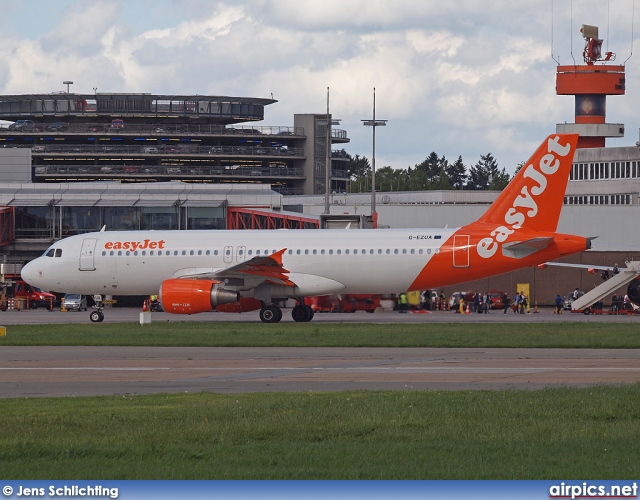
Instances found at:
x=402 y=302
x=559 y=302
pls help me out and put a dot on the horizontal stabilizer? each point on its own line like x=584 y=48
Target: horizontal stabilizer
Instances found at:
x=612 y=284
x=521 y=249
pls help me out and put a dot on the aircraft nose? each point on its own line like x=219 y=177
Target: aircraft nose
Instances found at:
x=29 y=272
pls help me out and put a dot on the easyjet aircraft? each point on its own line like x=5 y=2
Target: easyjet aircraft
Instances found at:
x=198 y=271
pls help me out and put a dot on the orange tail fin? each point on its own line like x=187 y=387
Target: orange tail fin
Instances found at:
x=533 y=199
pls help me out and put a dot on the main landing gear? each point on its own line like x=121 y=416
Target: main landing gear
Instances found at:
x=96 y=316
x=272 y=314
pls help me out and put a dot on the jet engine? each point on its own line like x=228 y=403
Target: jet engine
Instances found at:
x=191 y=296
x=633 y=291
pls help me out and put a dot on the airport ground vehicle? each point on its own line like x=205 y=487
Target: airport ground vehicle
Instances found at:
x=344 y=303
x=32 y=295
x=75 y=302
x=496 y=299
x=569 y=299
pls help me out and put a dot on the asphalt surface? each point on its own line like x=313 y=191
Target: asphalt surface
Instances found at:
x=85 y=371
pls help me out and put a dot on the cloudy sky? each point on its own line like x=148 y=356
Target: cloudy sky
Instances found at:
x=459 y=77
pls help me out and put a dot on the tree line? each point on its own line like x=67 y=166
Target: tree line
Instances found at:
x=434 y=173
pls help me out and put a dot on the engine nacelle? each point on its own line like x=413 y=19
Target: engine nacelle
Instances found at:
x=191 y=296
x=633 y=291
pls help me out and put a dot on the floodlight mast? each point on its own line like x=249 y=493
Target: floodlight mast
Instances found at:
x=373 y=124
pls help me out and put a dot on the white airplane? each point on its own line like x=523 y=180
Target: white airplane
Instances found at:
x=236 y=271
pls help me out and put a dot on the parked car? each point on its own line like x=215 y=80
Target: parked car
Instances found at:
x=75 y=302
x=23 y=125
x=569 y=299
x=57 y=127
x=117 y=124
x=496 y=299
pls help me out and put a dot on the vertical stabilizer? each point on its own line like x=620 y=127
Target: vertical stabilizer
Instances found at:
x=533 y=199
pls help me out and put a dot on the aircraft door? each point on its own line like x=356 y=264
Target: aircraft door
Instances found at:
x=241 y=253
x=461 y=251
x=87 y=254
x=227 y=255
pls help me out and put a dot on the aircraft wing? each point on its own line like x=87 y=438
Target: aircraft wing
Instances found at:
x=250 y=273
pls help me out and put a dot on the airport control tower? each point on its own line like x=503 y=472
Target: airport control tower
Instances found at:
x=591 y=83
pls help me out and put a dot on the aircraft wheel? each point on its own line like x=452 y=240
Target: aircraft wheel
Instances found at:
x=301 y=313
x=270 y=314
x=311 y=312
x=96 y=316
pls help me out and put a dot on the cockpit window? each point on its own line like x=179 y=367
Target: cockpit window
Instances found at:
x=50 y=253
x=58 y=252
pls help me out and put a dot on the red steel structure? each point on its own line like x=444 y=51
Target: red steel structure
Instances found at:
x=252 y=218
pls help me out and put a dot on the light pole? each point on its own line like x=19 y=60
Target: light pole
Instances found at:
x=373 y=124
x=67 y=83
x=327 y=166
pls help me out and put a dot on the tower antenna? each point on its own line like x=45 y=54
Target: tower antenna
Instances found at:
x=633 y=10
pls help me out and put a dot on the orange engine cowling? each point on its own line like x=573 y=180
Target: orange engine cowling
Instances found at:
x=191 y=296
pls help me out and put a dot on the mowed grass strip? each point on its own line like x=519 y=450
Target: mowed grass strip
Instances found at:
x=566 y=433
x=576 y=335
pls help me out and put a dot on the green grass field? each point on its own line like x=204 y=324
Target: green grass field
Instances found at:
x=577 y=335
x=555 y=433
x=568 y=433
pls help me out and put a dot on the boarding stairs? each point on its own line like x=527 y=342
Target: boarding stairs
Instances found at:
x=601 y=291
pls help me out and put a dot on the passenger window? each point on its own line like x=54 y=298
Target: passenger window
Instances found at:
x=104 y=253
x=306 y=252
x=322 y=252
x=208 y=252
x=346 y=252
x=119 y=253
x=136 y=253
x=215 y=252
x=111 y=253
x=191 y=252
x=388 y=251
x=175 y=252
x=184 y=252
x=331 y=251
x=291 y=251
x=199 y=252
x=429 y=251
x=395 y=251
x=315 y=252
